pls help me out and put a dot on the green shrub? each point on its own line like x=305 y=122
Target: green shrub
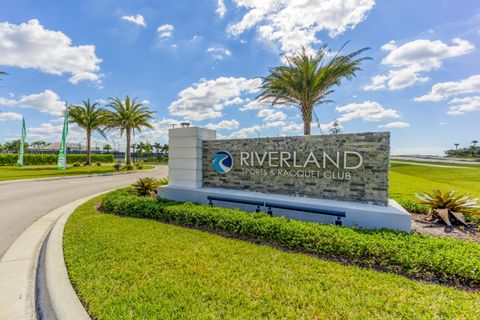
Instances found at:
x=117 y=166
x=129 y=167
x=51 y=159
x=99 y=164
x=77 y=164
x=412 y=206
x=415 y=255
x=139 y=166
x=446 y=205
x=146 y=186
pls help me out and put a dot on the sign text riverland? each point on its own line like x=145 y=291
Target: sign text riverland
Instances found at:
x=286 y=163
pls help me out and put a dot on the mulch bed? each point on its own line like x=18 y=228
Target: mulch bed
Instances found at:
x=471 y=232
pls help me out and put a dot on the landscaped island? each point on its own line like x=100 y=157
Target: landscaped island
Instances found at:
x=147 y=268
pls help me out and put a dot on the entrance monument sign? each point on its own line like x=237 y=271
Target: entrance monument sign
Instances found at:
x=345 y=173
x=349 y=167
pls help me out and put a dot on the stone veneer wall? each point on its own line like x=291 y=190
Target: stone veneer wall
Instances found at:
x=368 y=184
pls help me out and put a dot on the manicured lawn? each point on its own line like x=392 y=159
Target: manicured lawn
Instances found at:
x=406 y=180
x=14 y=173
x=130 y=268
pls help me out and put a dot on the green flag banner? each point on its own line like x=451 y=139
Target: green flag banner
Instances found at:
x=22 y=145
x=62 y=154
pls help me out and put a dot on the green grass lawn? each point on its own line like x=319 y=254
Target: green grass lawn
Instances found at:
x=406 y=180
x=27 y=172
x=130 y=268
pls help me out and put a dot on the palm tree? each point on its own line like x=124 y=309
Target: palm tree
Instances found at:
x=128 y=116
x=157 y=146
x=89 y=117
x=307 y=80
x=107 y=147
x=456 y=146
x=474 y=142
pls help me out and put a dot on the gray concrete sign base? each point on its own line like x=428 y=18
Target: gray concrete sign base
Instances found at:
x=362 y=215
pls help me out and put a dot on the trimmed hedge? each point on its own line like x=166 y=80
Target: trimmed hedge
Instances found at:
x=443 y=260
x=41 y=159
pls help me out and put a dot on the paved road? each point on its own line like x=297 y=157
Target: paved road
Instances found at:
x=24 y=202
x=430 y=165
x=439 y=159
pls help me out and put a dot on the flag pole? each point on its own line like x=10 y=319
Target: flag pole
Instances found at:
x=22 y=144
x=62 y=154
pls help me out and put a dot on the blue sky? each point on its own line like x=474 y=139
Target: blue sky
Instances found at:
x=198 y=61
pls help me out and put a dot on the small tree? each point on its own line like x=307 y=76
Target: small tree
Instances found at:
x=148 y=148
x=107 y=147
x=157 y=146
x=474 y=142
x=335 y=128
x=456 y=146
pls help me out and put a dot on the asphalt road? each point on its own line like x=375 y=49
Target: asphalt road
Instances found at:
x=23 y=202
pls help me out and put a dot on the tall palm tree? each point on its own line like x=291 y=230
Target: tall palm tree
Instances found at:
x=127 y=116
x=157 y=146
x=474 y=142
x=456 y=146
x=307 y=80
x=89 y=117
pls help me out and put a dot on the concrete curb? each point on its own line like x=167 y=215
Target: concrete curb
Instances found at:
x=63 y=300
x=18 y=269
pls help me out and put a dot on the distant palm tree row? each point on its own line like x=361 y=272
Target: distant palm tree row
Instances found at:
x=125 y=115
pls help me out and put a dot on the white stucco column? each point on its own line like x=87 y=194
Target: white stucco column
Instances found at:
x=185 y=155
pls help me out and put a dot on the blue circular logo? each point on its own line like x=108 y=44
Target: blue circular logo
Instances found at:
x=222 y=161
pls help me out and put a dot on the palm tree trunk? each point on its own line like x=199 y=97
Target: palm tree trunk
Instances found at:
x=129 y=160
x=307 y=119
x=89 y=137
x=306 y=128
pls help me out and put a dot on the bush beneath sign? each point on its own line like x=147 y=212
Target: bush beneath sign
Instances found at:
x=436 y=259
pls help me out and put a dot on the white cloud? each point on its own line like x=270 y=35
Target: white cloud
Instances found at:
x=271 y=115
x=275 y=124
x=396 y=124
x=207 y=98
x=46 y=101
x=366 y=111
x=292 y=23
x=10 y=116
x=30 y=45
x=410 y=60
x=137 y=19
x=294 y=127
x=254 y=105
x=224 y=124
x=443 y=90
x=165 y=30
x=219 y=53
x=159 y=133
x=463 y=105
x=221 y=9
x=53 y=133
x=246 y=133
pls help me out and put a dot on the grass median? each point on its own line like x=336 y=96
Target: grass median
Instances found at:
x=131 y=268
x=29 y=172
